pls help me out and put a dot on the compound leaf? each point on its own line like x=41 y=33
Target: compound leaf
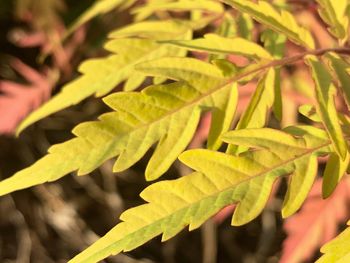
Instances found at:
x=102 y=75
x=282 y=22
x=167 y=114
x=220 y=180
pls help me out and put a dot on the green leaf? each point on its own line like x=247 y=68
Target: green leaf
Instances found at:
x=256 y=114
x=275 y=44
x=334 y=14
x=305 y=168
x=148 y=9
x=309 y=112
x=167 y=114
x=300 y=184
x=245 y=26
x=282 y=22
x=335 y=169
x=102 y=75
x=325 y=92
x=227 y=29
x=221 y=180
x=339 y=67
x=221 y=45
x=227 y=68
x=337 y=250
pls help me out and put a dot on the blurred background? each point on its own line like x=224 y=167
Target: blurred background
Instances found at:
x=55 y=221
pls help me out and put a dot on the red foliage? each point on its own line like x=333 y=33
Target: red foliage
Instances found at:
x=17 y=100
x=316 y=223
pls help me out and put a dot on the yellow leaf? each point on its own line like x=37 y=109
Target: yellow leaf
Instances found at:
x=282 y=22
x=325 y=92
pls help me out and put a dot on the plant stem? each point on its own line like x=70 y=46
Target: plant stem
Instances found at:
x=290 y=60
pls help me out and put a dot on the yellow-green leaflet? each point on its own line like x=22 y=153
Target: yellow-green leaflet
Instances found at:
x=167 y=114
x=157 y=30
x=335 y=170
x=245 y=25
x=256 y=114
x=334 y=14
x=337 y=250
x=220 y=180
x=100 y=76
x=275 y=44
x=309 y=112
x=98 y=8
x=339 y=67
x=304 y=166
x=335 y=167
x=325 y=92
x=282 y=22
x=216 y=44
x=181 y=5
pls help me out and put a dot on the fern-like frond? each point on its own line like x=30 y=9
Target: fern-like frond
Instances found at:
x=165 y=113
x=337 y=250
x=282 y=22
x=221 y=180
x=102 y=75
x=334 y=14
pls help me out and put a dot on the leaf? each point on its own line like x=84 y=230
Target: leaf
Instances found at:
x=17 y=100
x=191 y=200
x=334 y=14
x=102 y=75
x=157 y=30
x=325 y=92
x=282 y=22
x=337 y=250
x=98 y=8
x=167 y=114
x=309 y=112
x=256 y=114
x=245 y=26
x=335 y=169
x=315 y=224
x=145 y=11
x=304 y=168
x=339 y=67
x=275 y=44
x=216 y=44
